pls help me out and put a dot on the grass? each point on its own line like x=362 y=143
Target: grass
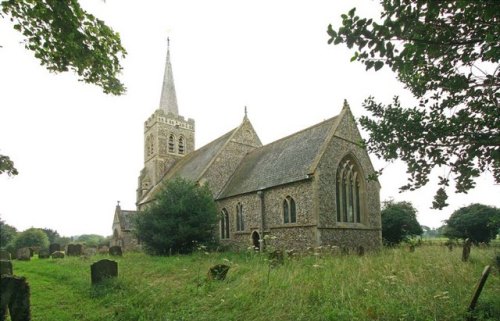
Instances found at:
x=430 y=284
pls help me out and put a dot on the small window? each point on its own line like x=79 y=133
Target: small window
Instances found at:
x=171 y=143
x=181 y=145
x=224 y=224
x=240 y=222
x=289 y=211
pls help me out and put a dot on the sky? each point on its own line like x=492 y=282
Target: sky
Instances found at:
x=79 y=151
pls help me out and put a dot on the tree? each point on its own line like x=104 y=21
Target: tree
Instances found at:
x=478 y=222
x=399 y=222
x=30 y=238
x=93 y=240
x=7 y=233
x=182 y=215
x=52 y=235
x=7 y=166
x=63 y=36
x=447 y=54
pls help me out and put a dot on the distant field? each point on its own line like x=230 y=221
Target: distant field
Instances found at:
x=430 y=284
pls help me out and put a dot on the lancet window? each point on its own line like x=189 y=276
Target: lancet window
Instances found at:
x=349 y=192
x=289 y=213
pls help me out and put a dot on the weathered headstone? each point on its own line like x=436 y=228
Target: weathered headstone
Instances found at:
x=218 y=272
x=115 y=251
x=103 y=269
x=15 y=298
x=361 y=250
x=54 y=247
x=103 y=249
x=74 y=250
x=6 y=267
x=466 y=250
x=24 y=254
x=90 y=251
x=477 y=291
x=276 y=258
x=43 y=254
x=57 y=255
x=5 y=255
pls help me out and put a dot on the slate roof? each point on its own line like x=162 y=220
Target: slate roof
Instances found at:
x=284 y=161
x=126 y=221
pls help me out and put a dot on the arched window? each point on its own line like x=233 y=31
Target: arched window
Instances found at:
x=181 y=145
x=224 y=224
x=348 y=192
x=289 y=213
x=240 y=222
x=149 y=145
x=171 y=143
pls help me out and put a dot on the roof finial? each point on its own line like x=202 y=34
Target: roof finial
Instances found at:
x=168 y=43
x=346 y=104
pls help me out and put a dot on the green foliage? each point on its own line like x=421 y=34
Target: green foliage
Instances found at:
x=53 y=235
x=182 y=215
x=31 y=237
x=399 y=222
x=7 y=166
x=478 y=222
x=7 y=233
x=447 y=54
x=63 y=36
x=391 y=285
x=92 y=240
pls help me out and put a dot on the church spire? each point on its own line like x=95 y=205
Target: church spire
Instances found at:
x=168 y=100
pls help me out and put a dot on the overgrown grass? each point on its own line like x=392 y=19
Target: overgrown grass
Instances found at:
x=430 y=284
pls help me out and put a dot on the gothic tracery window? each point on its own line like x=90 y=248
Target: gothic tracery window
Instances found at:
x=289 y=212
x=348 y=192
x=240 y=222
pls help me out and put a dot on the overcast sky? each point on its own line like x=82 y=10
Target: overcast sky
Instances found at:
x=79 y=151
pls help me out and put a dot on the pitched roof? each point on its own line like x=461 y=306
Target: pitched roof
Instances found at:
x=284 y=161
x=193 y=165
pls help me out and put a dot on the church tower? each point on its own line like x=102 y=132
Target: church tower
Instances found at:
x=168 y=136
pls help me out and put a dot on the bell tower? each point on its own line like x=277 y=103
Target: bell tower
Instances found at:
x=168 y=136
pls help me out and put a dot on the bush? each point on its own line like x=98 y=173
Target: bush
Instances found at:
x=399 y=222
x=477 y=222
x=32 y=237
x=182 y=215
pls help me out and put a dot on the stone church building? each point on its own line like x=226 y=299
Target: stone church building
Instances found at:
x=305 y=190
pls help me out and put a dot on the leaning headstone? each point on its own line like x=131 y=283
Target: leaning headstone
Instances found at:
x=54 y=247
x=103 y=269
x=74 y=250
x=115 y=251
x=15 y=298
x=43 y=254
x=6 y=267
x=218 y=272
x=466 y=250
x=57 y=255
x=5 y=255
x=477 y=291
x=24 y=254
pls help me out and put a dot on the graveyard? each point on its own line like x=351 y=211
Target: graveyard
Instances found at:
x=431 y=282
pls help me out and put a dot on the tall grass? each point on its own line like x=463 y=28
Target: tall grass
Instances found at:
x=430 y=284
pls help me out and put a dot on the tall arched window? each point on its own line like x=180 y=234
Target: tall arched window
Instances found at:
x=171 y=143
x=289 y=213
x=240 y=222
x=181 y=145
x=348 y=191
x=224 y=224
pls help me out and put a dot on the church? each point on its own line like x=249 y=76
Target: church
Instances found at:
x=308 y=189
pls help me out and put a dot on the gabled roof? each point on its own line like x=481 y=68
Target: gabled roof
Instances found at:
x=287 y=160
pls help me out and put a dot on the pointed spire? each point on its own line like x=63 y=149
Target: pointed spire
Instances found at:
x=168 y=100
x=346 y=104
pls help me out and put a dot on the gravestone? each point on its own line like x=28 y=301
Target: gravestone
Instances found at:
x=6 y=267
x=90 y=251
x=5 y=255
x=115 y=251
x=57 y=255
x=477 y=291
x=74 y=250
x=466 y=250
x=103 y=249
x=15 y=298
x=276 y=258
x=54 y=247
x=103 y=269
x=218 y=272
x=24 y=254
x=360 y=250
x=411 y=248
x=43 y=254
